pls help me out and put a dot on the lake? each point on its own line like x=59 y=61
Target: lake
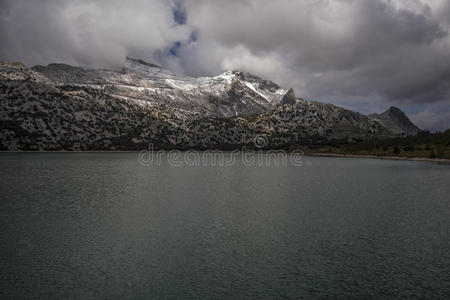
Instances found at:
x=105 y=226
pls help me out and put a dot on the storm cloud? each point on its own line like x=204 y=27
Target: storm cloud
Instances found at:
x=361 y=54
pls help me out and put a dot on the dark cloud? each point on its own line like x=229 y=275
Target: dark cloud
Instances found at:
x=363 y=54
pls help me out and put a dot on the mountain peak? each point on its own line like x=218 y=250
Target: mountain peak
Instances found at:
x=394 y=109
x=142 y=62
x=396 y=112
x=397 y=121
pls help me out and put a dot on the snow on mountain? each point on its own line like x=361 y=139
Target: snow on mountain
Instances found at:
x=228 y=94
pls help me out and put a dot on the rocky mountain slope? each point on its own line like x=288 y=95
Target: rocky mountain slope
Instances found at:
x=397 y=122
x=61 y=107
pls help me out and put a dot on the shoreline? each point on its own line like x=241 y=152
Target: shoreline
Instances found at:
x=314 y=154
x=427 y=159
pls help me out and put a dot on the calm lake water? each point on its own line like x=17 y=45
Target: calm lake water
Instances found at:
x=102 y=226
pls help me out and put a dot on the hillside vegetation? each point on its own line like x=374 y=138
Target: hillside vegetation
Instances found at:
x=422 y=145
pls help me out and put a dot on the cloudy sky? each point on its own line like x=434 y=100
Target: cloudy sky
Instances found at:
x=364 y=55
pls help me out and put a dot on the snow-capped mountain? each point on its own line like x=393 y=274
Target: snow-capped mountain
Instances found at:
x=228 y=94
x=65 y=107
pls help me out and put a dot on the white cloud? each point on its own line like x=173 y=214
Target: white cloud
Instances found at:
x=86 y=32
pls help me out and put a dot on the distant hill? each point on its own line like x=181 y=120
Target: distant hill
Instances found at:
x=396 y=121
